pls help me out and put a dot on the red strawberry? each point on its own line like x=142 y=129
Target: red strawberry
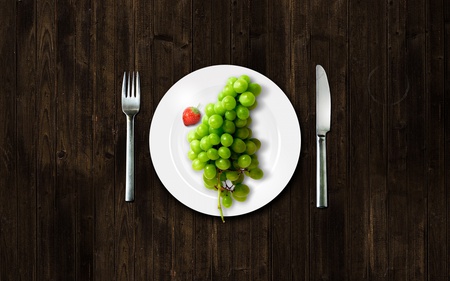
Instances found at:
x=191 y=116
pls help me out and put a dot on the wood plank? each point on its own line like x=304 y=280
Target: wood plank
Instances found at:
x=66 y=144
x=446 y=82
x=26 y=140
x=84 y=101
x=399 y=249
x=437 y=188
x=240 y=37
x=259 y=35
x=46 y=142
x=8 y=145
x=376 y=91
x=359 y=141
x=416 y=100
x=221 y=49
x=104 y=138
x=202 y=32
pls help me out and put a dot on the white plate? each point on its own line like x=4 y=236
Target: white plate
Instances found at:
x=275 y=124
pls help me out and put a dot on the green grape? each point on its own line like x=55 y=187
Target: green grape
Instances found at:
x=247 y=99
x=229 y=102
x=205 y=119
x=254 y=164
x=244 y=161
x=256 y=173
x=242 y=112
x=254 y=105
x=192 y=135
x=205 y=143
x=210 y=171
x=231 y=81
x=239 y=199
x=240 y=179
x=250 y=147
x=191 y=154
x=214 y=139
x=232 y=175
x=228 y=90
x=240 y=123
x=202 y=130
x=209 y=109
x=215 y=121
x=257 y=142
x=235 y=164
x=222 y=164
x=241 y=190
x=219 y=108
x=240 y=85
x=202 y=156
x=242 y=133
x=245 y=77
x=227 y=201
x=209 y=183
x=224 y=152
x=230 y=115
x=220 y=96
x=212 y=153
x=197 y=164
x=226 y=139
x=249 y=121
x=217 y=131
x=250 y=132
x=195 y=146
x=255 y=88
x=238 y=145
x=234 y=155
x=228 y=127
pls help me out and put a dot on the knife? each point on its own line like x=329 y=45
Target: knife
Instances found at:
x=323 y=123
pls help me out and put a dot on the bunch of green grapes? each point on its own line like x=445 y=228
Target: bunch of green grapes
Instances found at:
x=222 y=145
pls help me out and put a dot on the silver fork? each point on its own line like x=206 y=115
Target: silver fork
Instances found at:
x=131 y=101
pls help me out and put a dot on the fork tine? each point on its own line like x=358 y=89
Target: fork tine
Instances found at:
x=138 y=86
x=124 y=85
x=128 y=86
x=133 y=87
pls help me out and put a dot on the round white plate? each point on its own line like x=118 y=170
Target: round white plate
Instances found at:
x=275 y=124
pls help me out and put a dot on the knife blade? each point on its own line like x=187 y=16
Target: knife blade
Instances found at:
x=323 y=124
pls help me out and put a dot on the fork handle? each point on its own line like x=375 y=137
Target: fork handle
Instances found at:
x=129 y=180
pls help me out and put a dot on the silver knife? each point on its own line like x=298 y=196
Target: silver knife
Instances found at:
x=323 y=123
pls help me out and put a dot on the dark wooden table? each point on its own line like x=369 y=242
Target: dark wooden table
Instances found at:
x=62 y=140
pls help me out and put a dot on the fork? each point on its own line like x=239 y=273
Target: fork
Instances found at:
x=131 y=101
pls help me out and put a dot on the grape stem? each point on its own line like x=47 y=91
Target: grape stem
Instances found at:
x=219 y=192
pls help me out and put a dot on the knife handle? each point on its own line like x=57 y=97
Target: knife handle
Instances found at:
x=322 y=201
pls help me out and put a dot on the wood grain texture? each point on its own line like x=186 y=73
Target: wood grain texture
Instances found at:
x=62 y=145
